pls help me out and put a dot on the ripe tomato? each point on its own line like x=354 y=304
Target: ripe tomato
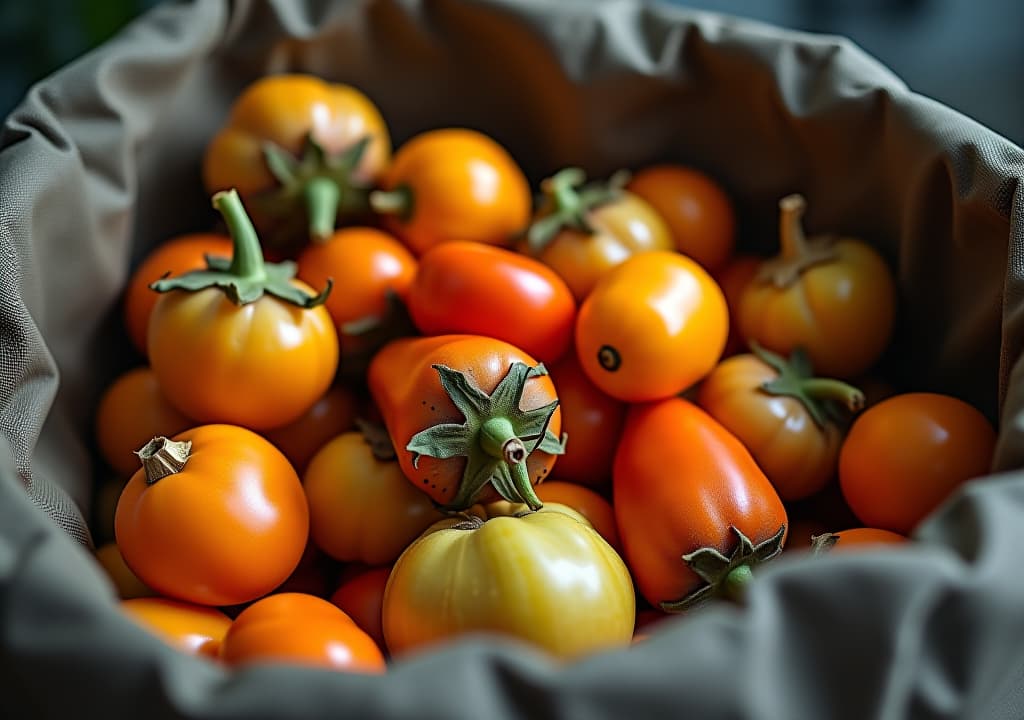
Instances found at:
x=300 y=629
x=131 y=411
x=361 y=507
x=696 y=209
x=694 y=511
x=471 y=418
x=855 y=539
x=242 y=343
x=331 y=415
x=544 y=577
x=788 y=420
x=125 y=582
x=734 y=278
x=582 y=234
x=592 y=418
x=297 y=146
x=464 y=287
x=903 y=457
x=835 y=297
x=652 y=327
x=216 y=516
x=361 y=597
x=176 y=256
x=193 y=629
x=595 y=509
x=453 y=184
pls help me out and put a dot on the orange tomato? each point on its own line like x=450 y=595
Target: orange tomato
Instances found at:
x=582 y=234
x=834 y=297
x=131 y=411
x=697 y=210
x=464 y=287
x=125 y=581
x=300 y=629
x=331 y=415
x=906 y=455
x=855 y=539
x=176 y=256
x=216 y=517
x=593 y=507
x=651 y=327
x=453 y=184
x=193 y=629
x=361 y=597
x=733 y=278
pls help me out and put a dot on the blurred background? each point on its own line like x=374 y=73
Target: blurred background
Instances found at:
x=967 y=54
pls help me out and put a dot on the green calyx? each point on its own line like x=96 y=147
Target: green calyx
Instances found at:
x=496 y=438
x=244 y=278
x=399 y=202
x=823 y=397
x=567 y=204
x=726 y=577
x=320 y=185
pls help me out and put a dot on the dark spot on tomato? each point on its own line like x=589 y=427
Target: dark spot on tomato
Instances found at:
x=425 y=481
x=433 y=486
x=609 y=358
x=432 y=408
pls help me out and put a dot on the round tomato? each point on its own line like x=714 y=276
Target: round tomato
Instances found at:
x=855 y=539
x=300 y=629
x=544 y=577
x=696 y=209
x=594 y=508
x=734 y=278
x=216 y=516
x=906 y=455
x=331 y=415
x=361 y=597
x=453 y=184
x=652 y=327
x=193 y=629
x=464 y=287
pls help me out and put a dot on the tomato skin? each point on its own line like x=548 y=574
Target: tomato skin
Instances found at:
x=476 y=289
x=696 y=209
x=444 y=585
x=176 y=256
x=906 y=455
x=300 y=629
x=409 y=394
x=126 y=583
x=594 y=508
x=464 y=186
x=230 y=526
x=193 y=629
x=680 y=480
x=361 y=596
x=131 y=411
x=733 y=278
x=664 y=320
x=261 y=365
x=362 y=509
x=331 y=415
x=864 y=538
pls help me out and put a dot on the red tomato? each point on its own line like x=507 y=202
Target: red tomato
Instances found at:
x=332 y=415
x=855 y=539
x=361 y=596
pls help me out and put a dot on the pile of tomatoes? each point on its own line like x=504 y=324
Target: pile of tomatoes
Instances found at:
x=392 y=399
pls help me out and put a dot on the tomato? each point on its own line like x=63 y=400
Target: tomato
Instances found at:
x=176 y=256
x=298 y=147
x=646 y=622
x=789 y=420
x=592 y=419
x=131 y=411
x=361 y=596
x=546 y=578
x=331 y=415
x=316 y=573
x=733 y=279
x=125 y=581
x=652 y=327
x=464 y=287
x=193 y=629
x=471 y=418
x=906 y=455
x=835 y=297
x=855 y=539
x=300 y=629
x=453 y=184
x=216 y=516
x=695 y=513
x=242 y=343
x=696 y=209
x=361 y=507
x=582 y=234
x=593 y=507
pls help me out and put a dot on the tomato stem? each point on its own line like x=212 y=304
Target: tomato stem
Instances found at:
x=735 y=585
x=791 y=229
x=798 y=253
x=498 y=439
x=836 y=390
x=568 y=206
x=246 y=254
x=398 y=202
x=162 y=457
x=322 y=195
x=795 y=380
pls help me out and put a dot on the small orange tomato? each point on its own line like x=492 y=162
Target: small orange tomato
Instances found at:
x=594 y=508
x=906 y=455
x=131 y=411
x=835 y=297
x=696 y=208
x=733 y=278
x=125 y=582
x=331 y=415
x=464 y=287
x=300 y=629
x=453 y=184
x=855 y=539
x=361 y=596
x=216 y=516
x=652 y=327
x=583 y=233
x=176 y=256
x=193 y=629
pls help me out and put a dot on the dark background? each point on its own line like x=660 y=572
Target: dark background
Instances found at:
x=968 y=54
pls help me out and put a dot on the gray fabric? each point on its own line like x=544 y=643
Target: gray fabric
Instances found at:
x=101 y=162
